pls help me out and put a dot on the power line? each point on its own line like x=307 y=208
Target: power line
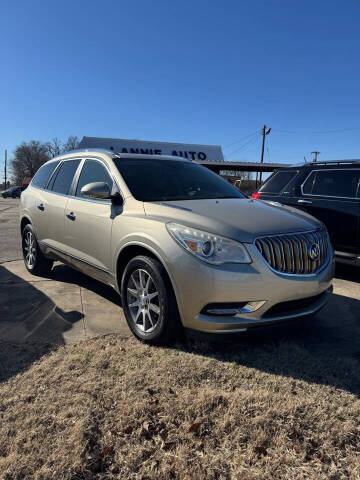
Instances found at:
x=242 y=139
x=252 y=140
x=319 y=132
x=246 y=144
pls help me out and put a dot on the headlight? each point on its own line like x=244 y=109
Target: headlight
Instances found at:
x=209 y=247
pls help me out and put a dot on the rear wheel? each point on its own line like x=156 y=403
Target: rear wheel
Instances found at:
x=149 y=302
x=35 y=261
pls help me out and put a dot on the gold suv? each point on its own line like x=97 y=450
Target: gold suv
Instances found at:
x=180 y=245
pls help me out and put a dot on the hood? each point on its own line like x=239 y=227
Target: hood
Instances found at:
x=239 y=218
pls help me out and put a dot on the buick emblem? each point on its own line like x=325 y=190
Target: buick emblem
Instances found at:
x=314 y=251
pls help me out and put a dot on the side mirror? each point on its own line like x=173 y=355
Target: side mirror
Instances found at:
x=98 y=190
x=117 y=199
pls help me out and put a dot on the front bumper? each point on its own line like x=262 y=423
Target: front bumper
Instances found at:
x=226 y=324
x=198 y=284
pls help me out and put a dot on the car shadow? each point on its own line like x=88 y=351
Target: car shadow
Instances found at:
x=323 y=349
x=63 y=273
x=28 y=316
x=347 y=272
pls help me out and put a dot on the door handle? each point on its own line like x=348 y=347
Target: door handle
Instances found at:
x=71 y=216
x=41 y=207
x=305 y=202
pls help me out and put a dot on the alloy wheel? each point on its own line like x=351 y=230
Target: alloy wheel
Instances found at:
x=29 y=249
x=143 y=300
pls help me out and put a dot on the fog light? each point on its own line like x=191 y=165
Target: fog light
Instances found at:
x=232 y=309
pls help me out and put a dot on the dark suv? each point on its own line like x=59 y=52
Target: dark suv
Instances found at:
x=12 y=192
x=330 y=191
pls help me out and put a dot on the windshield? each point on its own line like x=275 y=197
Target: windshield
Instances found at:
x=278 y=181
x=152 y=180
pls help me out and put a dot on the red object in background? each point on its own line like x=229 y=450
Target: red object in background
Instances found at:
x=256 y=195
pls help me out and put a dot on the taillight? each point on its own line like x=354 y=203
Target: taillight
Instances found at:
x=256 y=195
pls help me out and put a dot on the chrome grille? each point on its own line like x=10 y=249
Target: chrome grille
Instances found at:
x=290 y=253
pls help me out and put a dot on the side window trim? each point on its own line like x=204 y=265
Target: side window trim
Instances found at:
x=75 y=180
x=327 y=170
x=311 y=173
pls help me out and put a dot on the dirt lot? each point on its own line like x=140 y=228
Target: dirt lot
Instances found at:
x=279 y=405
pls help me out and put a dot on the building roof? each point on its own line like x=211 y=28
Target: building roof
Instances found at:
x=243 y=166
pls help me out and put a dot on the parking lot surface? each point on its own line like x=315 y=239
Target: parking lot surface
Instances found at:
x=68 y=306
x=10 y=244
x=64 y=307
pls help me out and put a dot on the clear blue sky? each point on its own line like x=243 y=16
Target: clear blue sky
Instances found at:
x=193 y=71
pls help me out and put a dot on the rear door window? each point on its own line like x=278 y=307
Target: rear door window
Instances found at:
x=43 y=174
x=64 y=177
x=333 y=183
x=278 y=181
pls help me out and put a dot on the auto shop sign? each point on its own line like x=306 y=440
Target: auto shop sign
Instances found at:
x=185 y=150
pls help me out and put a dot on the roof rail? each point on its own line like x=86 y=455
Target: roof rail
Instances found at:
x=336 y=162
x=78 y=150
x=327 y=162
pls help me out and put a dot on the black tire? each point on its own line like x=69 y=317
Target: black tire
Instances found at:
x=36 y=263
x=151 y=327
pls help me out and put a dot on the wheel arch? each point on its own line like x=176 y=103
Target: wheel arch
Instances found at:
x=24 y=221
x=134 y=249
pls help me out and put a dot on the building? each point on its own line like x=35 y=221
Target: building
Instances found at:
x=211 y=156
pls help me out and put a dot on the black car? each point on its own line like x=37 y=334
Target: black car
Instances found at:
x=330 y=191
x=12 y=192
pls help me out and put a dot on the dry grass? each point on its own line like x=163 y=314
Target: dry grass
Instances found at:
x=108 y=408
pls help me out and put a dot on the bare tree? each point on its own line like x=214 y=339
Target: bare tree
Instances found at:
x=72 y=143
x=28 y=157
x=55 y=147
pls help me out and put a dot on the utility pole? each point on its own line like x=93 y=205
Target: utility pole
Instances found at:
x=315 y=156
x=264 y=133
x=5 y=169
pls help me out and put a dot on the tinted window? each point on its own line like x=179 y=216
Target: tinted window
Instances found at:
x=93 y=171
x=278 y=181
x=333 y=183
x=155 y=180
x=43 y=174
x=64 y=176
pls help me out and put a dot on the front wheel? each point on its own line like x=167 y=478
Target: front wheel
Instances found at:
x=149 y=302
x=35 y=261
